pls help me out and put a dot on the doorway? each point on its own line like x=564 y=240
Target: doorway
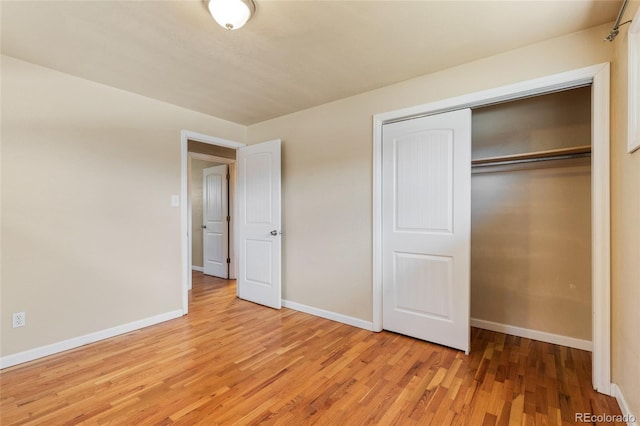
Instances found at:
x=211 y=149
x=256 y=207
x=211 y=183
x=598 y=77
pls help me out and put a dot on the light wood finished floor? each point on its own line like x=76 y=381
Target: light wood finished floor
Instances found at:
x=233 y=362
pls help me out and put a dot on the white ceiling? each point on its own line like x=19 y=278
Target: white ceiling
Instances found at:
x=290 y=56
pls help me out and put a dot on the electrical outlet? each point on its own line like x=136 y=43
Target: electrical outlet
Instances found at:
x=19 y=319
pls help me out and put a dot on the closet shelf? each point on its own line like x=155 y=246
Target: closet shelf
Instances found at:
x=552 y=154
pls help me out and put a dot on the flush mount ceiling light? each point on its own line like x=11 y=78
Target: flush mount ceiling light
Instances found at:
x=231 y=14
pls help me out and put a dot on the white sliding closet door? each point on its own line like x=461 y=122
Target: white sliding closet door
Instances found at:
x=426 y=221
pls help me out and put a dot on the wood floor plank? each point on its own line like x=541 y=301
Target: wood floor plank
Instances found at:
x=234 y=362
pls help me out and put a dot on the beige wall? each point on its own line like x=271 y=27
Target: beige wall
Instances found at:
x=327 y=167
x=89 y=238
x=531 y=246
x=553 y=121
x=197 y=166
x=213 y=150
x=625 y=214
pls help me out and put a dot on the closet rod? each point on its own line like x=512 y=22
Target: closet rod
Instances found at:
x=553 y=154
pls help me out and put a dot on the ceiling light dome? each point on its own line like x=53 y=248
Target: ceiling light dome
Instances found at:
x=231 y=14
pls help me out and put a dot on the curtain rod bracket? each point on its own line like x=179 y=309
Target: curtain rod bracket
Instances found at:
x=616 y=26
x=614 y=32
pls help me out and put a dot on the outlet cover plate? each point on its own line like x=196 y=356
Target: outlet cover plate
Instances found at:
x=19 y=319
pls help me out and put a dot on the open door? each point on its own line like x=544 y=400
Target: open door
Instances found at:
x=215 y=214
x=426 y=228
x=259 y=223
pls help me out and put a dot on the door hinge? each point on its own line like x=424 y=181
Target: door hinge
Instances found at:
x=228 y=260
x=228 y=176
x=228 y=218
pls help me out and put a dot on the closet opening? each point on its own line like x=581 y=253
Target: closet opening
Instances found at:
x=531 y=271
x=594 y=80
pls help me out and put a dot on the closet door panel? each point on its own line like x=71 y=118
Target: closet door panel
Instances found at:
x=423 y=185
x=426 y=227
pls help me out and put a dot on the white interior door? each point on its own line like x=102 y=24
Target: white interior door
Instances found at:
x=259 y=223
x=215 y=216
x=426 y=220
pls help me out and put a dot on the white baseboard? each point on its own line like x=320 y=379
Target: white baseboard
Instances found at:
x=556 y=339
x=630 y=418
x=197 y=268
x=333 y=316
x=65 y=345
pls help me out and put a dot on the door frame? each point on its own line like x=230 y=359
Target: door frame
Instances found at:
x=598 y=77
x=185 y=208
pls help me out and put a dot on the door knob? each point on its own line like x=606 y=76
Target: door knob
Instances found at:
x=274 y=232
x=204 y=226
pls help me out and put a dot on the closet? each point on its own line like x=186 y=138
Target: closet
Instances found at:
x=531 y=215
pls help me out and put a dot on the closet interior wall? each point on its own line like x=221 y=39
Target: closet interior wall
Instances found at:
x=531 y=222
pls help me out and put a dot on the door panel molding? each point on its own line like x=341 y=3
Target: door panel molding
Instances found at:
x=598 y=77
